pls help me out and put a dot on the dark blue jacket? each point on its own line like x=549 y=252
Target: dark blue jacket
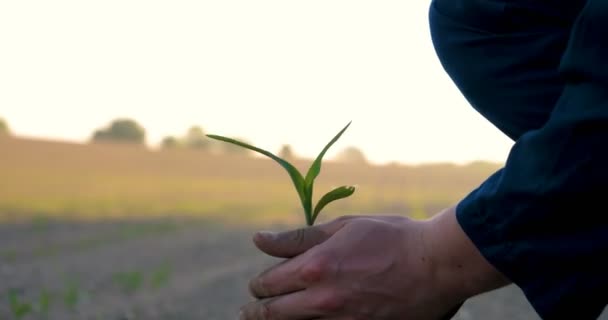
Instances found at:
x=538 y=70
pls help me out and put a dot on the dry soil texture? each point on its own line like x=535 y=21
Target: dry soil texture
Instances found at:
x=152 y=269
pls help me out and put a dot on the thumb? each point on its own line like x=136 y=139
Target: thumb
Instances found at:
x=288 y=244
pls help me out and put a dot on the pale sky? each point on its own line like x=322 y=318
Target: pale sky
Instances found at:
x=274 y=72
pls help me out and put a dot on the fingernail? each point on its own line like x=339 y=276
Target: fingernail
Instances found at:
x=268 y=235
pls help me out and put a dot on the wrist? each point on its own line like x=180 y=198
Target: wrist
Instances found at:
x=459 y=269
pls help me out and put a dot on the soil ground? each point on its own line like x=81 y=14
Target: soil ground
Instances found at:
x=153 y=269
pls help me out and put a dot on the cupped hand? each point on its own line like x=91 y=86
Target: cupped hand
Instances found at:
x=363 y=267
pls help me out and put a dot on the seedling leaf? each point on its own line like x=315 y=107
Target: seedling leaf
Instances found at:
x=296 y=176
x=336 y=194
x=303 y=185
x=130 y=282
x=315 y=168
x=44 y=302
x=160 y=276
x=71 y=296
x=18 y=308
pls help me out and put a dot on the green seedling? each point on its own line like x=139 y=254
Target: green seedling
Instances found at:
x=71 y=296
x=129 y=281
x=160 y=277
x=44 y=302
x=19 y=308
x=303 y=184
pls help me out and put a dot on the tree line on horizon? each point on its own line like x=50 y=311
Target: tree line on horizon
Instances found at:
x=4 y=130
x=128 y=131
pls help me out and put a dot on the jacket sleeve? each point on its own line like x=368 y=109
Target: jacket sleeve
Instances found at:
x=542 y=220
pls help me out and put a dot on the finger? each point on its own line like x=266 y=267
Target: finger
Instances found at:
x=316 y=303
x=292 y=275
x=294 y=242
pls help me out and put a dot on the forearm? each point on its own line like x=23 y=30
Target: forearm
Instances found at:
x=459 y=268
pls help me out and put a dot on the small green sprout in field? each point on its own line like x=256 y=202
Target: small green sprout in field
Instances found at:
x=160 y=277
x=71 y=296
x=44 y=302
x=303 y=184
x=129 y=281
x=18 y=307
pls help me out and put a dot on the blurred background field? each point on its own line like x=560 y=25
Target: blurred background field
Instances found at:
x=45 y=179
x=117 y=230
x=113 y=229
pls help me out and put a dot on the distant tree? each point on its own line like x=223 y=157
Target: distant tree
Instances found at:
x=169 y=142
x=121 y=130
x=196 y=139
x=352 y=155
x=286 y=152
x=4 y=130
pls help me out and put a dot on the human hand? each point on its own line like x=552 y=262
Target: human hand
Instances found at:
x=360 y=268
